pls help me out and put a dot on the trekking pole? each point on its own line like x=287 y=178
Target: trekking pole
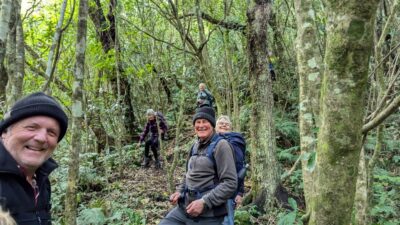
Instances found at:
x=231 y=212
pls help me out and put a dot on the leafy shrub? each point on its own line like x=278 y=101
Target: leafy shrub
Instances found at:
x=94 y=216
x=242 y=217
x=290 y=218
x=386 y=199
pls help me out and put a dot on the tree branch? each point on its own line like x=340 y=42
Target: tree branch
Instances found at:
x=42 y=67
x=158 y=39
x=392 y=107
x=228 y=25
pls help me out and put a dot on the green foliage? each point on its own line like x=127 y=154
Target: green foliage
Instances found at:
x=386 y=200
x=292 y=217
x=288 y=154
x=93 y=216
x=287 y=127
x=242 y=217
x=127 y=214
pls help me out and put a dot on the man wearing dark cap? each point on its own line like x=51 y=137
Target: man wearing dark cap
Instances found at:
x=30 y=132
x=207 y=185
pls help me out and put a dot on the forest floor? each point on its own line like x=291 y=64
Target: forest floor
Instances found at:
x=146 y=191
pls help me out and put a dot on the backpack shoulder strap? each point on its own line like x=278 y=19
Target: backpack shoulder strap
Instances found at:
x=193 y=151
x=211 y=147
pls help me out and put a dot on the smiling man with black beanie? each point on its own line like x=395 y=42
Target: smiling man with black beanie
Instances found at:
x=208 y=184
x=30 y=132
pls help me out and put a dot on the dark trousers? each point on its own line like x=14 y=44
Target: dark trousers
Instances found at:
x=177 y=216
x=153 y=144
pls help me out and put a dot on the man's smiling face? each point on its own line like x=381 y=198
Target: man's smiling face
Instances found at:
x=203 y=128
x=31 y=141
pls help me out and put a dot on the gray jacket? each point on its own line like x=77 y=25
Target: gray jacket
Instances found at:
x=201 y=174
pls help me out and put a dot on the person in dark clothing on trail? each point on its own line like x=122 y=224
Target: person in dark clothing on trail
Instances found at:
x=204 y=97
x=30 y=133
x=206 y=186
x=152 y=142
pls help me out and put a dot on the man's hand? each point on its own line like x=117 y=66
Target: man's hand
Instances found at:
x=138 y=144
x=238 y=200
x=195 y=208
x=174 y=198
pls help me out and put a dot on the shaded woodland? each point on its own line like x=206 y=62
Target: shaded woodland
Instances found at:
x=313 y=85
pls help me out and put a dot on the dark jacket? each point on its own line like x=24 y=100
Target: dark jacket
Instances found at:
x=17 y=195
x=151 y=126
x=205 y=98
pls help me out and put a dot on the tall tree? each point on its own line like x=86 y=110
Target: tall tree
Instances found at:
x=310 y=67
x=382 y=81
x=265 y=178
x=77 y=115
x=105 y=26
x=5 y=15
x=15 y=56
x=343 y=92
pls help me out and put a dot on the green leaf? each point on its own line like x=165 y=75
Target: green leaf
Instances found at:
x=312 y=161
x=288 y=219
x=293 y=203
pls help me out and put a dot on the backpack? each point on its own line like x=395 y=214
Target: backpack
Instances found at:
x=161 y=118
x=207 y=100
x=238 y=144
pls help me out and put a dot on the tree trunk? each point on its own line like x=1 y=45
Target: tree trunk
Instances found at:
x=5 y=15
x=231 y=84
x=20 y=54
x=310 y=67
x=349 y=40
x=15 y=57
x=178 y=129
x=50 y=66
x=106 y=33
x=265 y=178
x=77 y=115
x=11 y=58
x=204 y=60
x=361 y=195
x=365 y=176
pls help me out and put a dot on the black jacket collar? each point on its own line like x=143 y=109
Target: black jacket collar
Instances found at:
x=9 y=165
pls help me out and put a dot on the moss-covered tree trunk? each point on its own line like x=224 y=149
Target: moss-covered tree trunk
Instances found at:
x=5 y=15
x=77 y=116
x=265 y=177
x=310 y=67
x=365 y=180
x=106 y=33
x=350 y=26
x=11 y=58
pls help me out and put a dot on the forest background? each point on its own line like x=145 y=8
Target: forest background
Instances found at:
x=323 y=136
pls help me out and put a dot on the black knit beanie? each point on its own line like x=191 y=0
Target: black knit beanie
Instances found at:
x=205 y=112
x=34 y=105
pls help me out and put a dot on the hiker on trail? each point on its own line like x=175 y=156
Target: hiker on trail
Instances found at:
x=204 y=96
x=224 y=126
x=207 y=185
x=152 y=142
x=30 y=133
